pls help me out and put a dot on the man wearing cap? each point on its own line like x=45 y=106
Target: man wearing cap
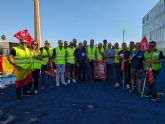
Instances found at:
x=47 y=53
x=19 y=57
x=91 y=58
x=59 y=54
x=70 y=57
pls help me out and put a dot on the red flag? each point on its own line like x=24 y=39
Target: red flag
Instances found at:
x=100 y=70
x=144 y=44
x=49 y=69
x=149 y=76
x=24 y=34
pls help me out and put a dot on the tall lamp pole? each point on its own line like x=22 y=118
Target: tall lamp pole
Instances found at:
x=123 y=35
x=37 y=29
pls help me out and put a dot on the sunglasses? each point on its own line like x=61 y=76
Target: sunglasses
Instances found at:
x=152 y=46
x=34 y=44
x=23 y=42
x=47 y=43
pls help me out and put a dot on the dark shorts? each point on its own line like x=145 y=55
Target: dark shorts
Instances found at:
x=135 y=74
x=70 y=67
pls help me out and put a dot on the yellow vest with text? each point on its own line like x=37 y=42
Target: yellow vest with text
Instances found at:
x=116 y=54
x=70 y=55
x=91 y=53
x=46 y=55
x=153 y=56
x=35 y=63
x=60 y=56
x=22 y=57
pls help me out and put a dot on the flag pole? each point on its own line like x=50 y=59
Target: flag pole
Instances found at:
x=37 y=30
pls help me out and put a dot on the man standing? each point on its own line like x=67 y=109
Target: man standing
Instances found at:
x=80 y=54
x=91 y=58
x=153 y=58
x=59 y=54
x=124 y=65
x=71 y=66
x=136 y=58
x=47 y=53
x=19 y=57
x=109 y=56
x=131 y=49
x=117 y=67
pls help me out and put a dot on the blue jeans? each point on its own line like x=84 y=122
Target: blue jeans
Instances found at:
x=111 y=73
x=90 y=70
x=152 y=87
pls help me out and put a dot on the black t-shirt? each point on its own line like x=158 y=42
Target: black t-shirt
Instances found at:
x=13 y=52
x=126 y=54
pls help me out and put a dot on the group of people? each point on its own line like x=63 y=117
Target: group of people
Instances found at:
x=75 y=63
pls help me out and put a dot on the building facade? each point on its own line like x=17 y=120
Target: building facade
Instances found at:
x=153 y=25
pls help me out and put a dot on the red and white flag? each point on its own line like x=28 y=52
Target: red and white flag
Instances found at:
x=24 y=34
x=149 y=76
x=144 y=44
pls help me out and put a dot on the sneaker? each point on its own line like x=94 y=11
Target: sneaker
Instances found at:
x=64 y=83
x=19 y=98
x=35 y=91
x=74 y=81
x=57 y=84
x=117 y=85
x=153 y=98
x=68 y=82
x=127 y=86
x=148 y=95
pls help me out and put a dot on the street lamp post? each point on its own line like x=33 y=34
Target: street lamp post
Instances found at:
x=37 y=30
x=123 y=35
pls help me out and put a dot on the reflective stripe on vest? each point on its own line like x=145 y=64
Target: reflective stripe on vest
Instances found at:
x=60 y=56
x=22 y=57
x=35 y=63
x=70 y=55
x=91 y=53
x=46 y=55
x=153 y=56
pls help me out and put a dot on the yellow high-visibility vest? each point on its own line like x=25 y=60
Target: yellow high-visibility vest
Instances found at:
x=35 y=63
x=22 y=57
x=46 y=55
x=70 y=55
x=60 y=56
x=91 y=53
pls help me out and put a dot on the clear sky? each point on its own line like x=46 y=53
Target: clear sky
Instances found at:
x=80 y=19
